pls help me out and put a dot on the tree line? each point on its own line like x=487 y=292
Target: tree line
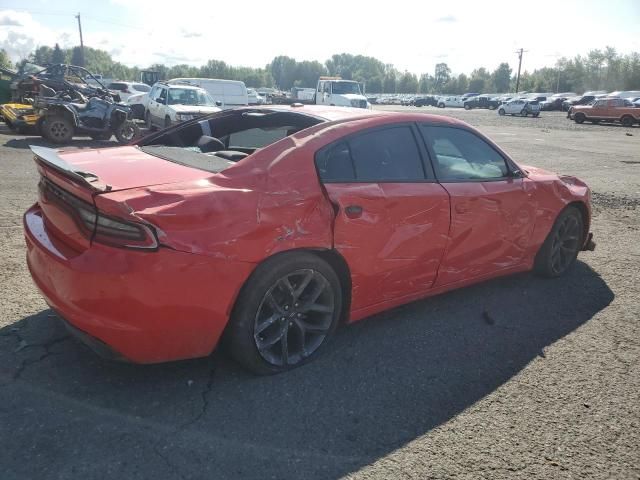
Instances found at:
x=598 y=70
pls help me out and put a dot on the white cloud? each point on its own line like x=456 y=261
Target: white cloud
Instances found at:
x=20 y=34
x=464 y=33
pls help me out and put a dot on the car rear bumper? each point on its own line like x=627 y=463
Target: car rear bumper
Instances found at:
x=145 y=307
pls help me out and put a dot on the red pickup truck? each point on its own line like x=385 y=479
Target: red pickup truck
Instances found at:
x=607 y=110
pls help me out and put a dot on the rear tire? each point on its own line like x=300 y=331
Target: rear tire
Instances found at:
x=467 y=107
x=58 y=129
x=627 y=121
x=269 y=319
x=560 y=249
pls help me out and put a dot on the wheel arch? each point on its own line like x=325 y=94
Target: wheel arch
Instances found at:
x=331 y=256
x=586 y=216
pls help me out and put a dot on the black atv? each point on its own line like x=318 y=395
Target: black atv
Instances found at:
x=68 y=112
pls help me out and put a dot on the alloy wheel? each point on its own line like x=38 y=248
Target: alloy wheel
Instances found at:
x=565 y=244
x=294 y=317
x=59 y=130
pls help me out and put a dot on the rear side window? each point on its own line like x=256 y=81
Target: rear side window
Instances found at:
x=461 y=155
x=388 y=155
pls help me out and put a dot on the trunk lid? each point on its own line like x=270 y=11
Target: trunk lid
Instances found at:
x=111 y=169
x=69 y=181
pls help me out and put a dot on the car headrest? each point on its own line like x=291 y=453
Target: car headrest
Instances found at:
x=208 y=144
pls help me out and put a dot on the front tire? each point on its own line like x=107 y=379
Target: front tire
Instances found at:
x=579 y=117
x=560 y=249
x=285 y=313
x=58 y=129
x=501 y=112
x=127 y=131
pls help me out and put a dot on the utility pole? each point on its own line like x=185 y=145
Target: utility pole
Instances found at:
x=81 y=42
x=519 y=52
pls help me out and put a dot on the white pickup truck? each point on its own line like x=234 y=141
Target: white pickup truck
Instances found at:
x=341 y=93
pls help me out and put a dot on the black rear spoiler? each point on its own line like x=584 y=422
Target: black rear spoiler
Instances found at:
x=52 y=159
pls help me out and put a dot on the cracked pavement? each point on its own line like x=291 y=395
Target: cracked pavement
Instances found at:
x=517 y=378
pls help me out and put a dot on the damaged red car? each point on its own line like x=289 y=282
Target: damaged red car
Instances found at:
x=266 y=228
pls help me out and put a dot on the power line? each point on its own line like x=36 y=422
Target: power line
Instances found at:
x=69 y=14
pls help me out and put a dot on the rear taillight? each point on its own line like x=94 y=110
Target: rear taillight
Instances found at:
x=96 y=226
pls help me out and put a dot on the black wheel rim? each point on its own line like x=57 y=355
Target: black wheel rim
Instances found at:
x=59 y=130
x=294 y=317
x=565 y=245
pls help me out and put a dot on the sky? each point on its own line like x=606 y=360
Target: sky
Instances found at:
x=412 y=36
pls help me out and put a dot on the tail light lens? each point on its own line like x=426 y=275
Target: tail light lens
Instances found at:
x=97 y=227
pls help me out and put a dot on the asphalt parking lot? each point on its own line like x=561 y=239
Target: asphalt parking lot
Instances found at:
x=519 y=377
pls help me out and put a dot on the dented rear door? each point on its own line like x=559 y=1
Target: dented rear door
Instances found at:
x=392 y=218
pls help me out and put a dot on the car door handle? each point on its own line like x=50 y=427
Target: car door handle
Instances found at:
x=353 y=211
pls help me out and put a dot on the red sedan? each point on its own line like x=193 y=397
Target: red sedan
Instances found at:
x=267 y=227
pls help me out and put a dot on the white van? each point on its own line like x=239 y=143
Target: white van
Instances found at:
x=232 y=93
x=341 y=93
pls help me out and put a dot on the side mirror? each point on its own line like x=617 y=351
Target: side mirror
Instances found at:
x=218 y=103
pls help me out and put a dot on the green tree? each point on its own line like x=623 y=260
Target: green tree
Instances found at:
x=41 y=55
x=501 y=78
x=57 y=55
x=425 y=84
x=283 y=69
x=441 y=77
x=374 y=85
x=5 y=61
x=480 y=80
x=408 y=83
x=389 y=82
x=77 y=58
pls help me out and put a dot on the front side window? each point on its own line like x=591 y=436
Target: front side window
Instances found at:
x=162 y=96
x=388 y=155
x=461 y=155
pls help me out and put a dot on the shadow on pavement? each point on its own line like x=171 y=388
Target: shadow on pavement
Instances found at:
x=382 y=383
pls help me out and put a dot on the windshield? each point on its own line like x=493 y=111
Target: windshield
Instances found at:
x=342 y=88
x=190 y=96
